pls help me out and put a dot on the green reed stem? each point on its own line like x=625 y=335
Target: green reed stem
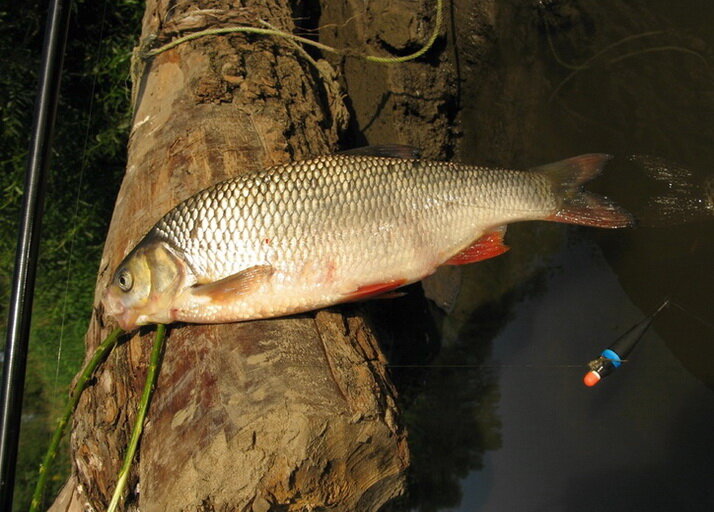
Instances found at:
x=99 y=355
x=151 y=377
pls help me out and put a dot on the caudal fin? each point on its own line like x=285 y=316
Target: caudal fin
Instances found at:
x=578 y=206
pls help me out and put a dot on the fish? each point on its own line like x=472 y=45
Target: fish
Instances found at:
x=337 y=228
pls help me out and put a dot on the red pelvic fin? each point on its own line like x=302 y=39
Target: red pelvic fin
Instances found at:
x=371 y=290
x=487 y=246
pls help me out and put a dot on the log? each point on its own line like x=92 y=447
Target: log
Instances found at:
x=286 y=414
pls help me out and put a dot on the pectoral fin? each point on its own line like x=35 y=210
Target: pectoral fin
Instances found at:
x=243 y=282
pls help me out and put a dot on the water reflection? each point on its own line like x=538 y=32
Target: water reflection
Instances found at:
x=564 y=445
x=523 y=433
x=449 y=403
x=448 y=383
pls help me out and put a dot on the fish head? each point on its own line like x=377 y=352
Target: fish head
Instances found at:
x=144 y=285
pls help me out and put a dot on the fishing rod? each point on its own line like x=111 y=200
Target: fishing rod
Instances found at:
x=23 y=285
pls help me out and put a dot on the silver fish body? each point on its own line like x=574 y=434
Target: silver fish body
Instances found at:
x=335 y=228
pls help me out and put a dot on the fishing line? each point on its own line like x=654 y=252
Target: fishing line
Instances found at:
x=588 y=63
x=461 y=366
x=476 y=366
x=696 y=317
x=82 y=168
x=670 y=302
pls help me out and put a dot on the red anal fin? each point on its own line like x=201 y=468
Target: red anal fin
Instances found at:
x=370 y=290
x=488 y=246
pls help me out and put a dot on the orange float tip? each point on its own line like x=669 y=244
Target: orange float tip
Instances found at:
x=591 y=378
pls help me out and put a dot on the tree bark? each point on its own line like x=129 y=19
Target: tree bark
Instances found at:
x=413 y=103
x=287 y=414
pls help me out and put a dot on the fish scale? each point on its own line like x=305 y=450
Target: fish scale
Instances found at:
x=303 y=209
x=338 y=227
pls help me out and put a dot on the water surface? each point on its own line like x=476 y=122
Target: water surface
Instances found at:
x=504 y=422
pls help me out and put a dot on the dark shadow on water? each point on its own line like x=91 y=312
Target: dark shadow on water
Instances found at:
x=449 y=394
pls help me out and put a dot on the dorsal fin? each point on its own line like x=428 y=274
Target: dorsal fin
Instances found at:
x=573 y=172
x=386 y=150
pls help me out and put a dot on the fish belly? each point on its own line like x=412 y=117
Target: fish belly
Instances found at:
x=337 y=269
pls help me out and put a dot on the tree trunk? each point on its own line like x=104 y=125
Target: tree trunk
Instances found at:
x=286 y=414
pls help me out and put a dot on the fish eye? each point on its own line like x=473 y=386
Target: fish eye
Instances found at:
x=125 y=280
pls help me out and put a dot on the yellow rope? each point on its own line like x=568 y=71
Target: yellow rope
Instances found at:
x=294 y=37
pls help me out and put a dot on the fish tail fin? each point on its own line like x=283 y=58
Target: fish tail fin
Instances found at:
x=578 y=206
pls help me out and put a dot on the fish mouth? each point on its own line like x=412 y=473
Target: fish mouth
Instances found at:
x=115 y=308
x=127 y=321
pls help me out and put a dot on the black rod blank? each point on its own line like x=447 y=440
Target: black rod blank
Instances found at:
x=23 y=284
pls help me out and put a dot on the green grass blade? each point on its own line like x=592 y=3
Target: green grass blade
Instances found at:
x=151 y=377
x=99 y=355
